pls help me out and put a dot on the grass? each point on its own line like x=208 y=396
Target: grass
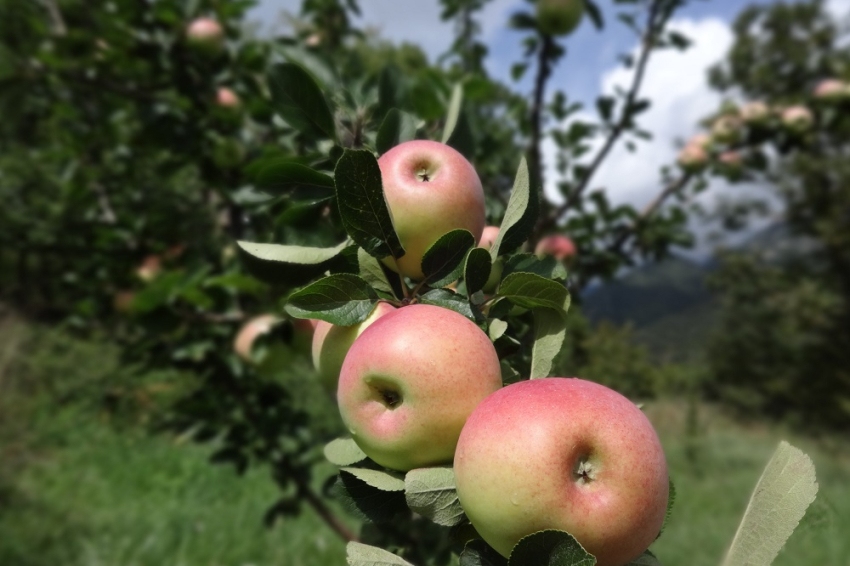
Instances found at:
x=79 y=490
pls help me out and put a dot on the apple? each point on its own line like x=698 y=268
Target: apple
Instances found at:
x=559 y=17
x=331 y=344
x=756 y=112
x=150 y=268
x=250 y=331
x=488 y=238
x=726 y=129
x=797 y=118
x=556 y=245
x=227 y=99
x=205 y=34
x=692 y=158
x=832 y=89
x=566 y=454
x=430 y=189
x=410 y=381
x=122 y=301
x=702 y=141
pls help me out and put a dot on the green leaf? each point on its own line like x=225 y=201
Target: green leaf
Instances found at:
x=343 y=452
x=450 y=300
x=530 y=291
x=442 y=263
x=276 y=263
x=397 y=127
x=497 y=328
x=372 y=272
x=453 y=113
x=359 y=554
x=520 y=215
x=479 y=553
x=367 y=502
x=550 y=329
x=546 y=266
x=379 y=479
x=671 y=499
x=286 y=176
x=299 y=100
x=362 y=206
x=645 y=559
x=463 y=139
x=476 y=269
x=783 y=493
x=432 y=493
x=342 y=299
x=550 y=548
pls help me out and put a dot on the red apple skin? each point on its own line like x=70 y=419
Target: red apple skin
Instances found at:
x=331 y=344
x=556 y=245
x=430 y=189
x=206 y=34
x=226 y=98
x=250 y=331
x=517 y=460
x=410 y=381
x=488 y=237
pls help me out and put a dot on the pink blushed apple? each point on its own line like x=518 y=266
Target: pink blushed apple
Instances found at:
x=226 y=98
x=332 y=342
x=556 y=245
x=250 y=331
x=430 y=189
x=566 y=454
x=205 y=34
x=488 y=237
x=797 y=118
x=692 y=157
x=410 y=381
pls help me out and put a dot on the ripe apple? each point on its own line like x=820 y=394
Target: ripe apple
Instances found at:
x=557 y=245
x=566 y=454
x=410 y=381
x=261 y=325
x=692 y=157
x=150 y=268
x=205 y=34
x=559 y=17
x=726 y=129
x=797 y=118
x=756 y=112
x=331 y=344
x=832 y=89
x=488 y=238
x=430 y=189
x=227 y=99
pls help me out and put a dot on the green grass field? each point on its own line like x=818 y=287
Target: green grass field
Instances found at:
x=79 y=490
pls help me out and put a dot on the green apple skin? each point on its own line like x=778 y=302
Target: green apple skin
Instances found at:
x=559 y=17
x=331 y=344
x=520 y=459
x=430 y=189
x=410 y=381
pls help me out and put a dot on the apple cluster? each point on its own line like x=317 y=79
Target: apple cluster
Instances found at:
x=420 y=386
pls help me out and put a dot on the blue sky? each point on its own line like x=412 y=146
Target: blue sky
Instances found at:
x=675 y=82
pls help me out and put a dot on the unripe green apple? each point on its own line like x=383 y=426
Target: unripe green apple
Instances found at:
x=331 y=344
x=559 y=17
x=430 y=189
x=410 y=381
x=566 y=454
x=206 y=35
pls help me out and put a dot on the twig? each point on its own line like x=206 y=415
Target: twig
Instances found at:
x=544 y=71
x=323 y=511
x=56 y=19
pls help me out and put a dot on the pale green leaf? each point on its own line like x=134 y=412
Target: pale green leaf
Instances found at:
x=359 y=554
x=385 y=481
x=497 y=328
x=454 y=112
x=343 y=452
x=550 y=329
x=432 y=493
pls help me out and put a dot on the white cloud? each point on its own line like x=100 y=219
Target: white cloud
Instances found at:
x=839 y=8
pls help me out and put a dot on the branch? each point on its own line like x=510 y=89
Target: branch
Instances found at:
x=56 y=19
x=323 y=511
x=647 y=42
x=544 y=70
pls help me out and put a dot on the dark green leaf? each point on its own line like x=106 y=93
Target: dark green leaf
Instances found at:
x=671 y=499
x=462 y=138
x=550 y=329
x=595 y=14
x=432 y=493
x=450 y=300
x=379 y=479
x=546 y=266
x=550 y=548
x=294 y=265
x=299 y=101
x=442 y=263
x=367 y=502
x=476 y=269
x=397 y=127
x=342 y=299
x=372 y=272
x=362 y=205
x=286 y=176
x=531 y=291
x=479 y=553
x=520 y=215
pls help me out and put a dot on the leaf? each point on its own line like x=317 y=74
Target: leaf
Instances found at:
x=453 y=113
x=550 y=329
x=449 y=300
x=530 y=291
x=520 y=214
x=342 y=299
x=432 y=493
x=343 y=452
x=497 y=328
x=359 y=554
x=645 y=559
x=362 y=206
x=671 y=499
x=550 y=548
x=479 y=553
x=367 y=502
x=286 y=176
x=276 y=263
x=783 y=493
x=299 y=100
x=476 y=269
x=379 y=479
x=442 y=263
x=372 y=272
x=397 y=127
x=595 y=14
x=546 y=266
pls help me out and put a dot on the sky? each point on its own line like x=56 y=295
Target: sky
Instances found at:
x=675 y=81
